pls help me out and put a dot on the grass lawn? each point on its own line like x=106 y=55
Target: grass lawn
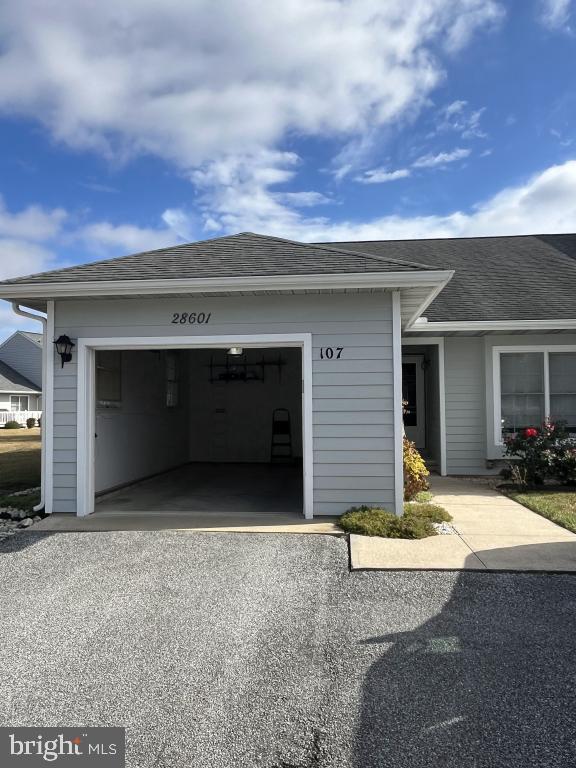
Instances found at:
x=19 y=459
x=558 y=506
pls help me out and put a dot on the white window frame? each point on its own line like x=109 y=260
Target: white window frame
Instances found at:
x=496 y=353
x=20 y=410
x=86 y=348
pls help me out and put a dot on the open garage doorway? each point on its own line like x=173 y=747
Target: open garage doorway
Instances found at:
x=208 y=430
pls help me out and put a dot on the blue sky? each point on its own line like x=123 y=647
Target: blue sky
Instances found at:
x=130 y=126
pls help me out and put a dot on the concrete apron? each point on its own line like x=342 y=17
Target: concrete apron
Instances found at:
x=190 y=522
x=492 y=533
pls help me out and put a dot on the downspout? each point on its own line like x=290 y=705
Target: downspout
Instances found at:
x=44 y=469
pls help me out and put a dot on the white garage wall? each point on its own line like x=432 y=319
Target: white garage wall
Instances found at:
x=233 y=421
x=353 y=419
x=139 y=436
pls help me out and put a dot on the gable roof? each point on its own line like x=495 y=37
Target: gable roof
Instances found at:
x=36 y=338
x=12 y=381
x=524 y=277
x=245 y=254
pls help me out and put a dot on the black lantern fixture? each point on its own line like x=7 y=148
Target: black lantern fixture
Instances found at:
x=64 y=346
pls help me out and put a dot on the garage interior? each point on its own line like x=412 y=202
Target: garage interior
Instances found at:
x=199 y=430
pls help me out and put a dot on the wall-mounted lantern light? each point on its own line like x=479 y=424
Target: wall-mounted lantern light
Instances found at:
x=64 y=345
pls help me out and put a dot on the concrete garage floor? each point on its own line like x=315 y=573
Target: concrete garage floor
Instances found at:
x=238 y=651
x=229 y=488
x=206 y=497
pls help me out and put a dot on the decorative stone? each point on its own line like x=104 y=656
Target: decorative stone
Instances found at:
x=26 y=523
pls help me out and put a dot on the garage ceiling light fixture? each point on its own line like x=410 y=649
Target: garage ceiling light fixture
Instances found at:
x=64 y=346
x=235 y=351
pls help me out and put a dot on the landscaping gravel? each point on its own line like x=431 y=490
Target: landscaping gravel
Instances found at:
x=244 y=650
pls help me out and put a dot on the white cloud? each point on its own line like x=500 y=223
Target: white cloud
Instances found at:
x=555 y=14
x=545 y=203
x=32 y=223
x=304 y=199
x=381 y=175
x=460 y=118
x=442 y=158
x=192 y=82
x=103 y=237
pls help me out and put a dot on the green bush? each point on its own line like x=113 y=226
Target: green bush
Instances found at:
x=375 y=521
x=31 y=422
x=423 y=497
x=11 y=425
x=427 y=511
x=415 y=471
x=540 y=454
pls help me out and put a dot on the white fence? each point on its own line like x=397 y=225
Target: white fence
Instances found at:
x=19 y=416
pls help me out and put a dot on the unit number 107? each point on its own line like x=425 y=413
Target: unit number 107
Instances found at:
x=331 y=353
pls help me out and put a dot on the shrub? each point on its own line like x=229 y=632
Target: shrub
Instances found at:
x=541 y=454
x=31 y=422
x=431 y=512
x=415 y=471
x=11 y=425
x=423 y=497
x=375 y=521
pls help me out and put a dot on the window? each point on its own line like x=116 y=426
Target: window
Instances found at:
x=18 y=402
x=108 y=379
x=172 y=380
x=532 y=385
x=562 y=366
x=522 y=390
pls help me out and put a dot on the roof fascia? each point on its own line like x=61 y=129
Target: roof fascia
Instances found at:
x=217 y=284
x=493 y=325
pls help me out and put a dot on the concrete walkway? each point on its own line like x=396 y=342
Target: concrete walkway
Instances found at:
x=492 y=532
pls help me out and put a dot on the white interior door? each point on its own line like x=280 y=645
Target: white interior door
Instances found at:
x=415 y=400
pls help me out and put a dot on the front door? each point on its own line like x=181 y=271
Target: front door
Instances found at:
x=414 y=399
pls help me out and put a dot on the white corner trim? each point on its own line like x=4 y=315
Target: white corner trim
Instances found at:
x=439 y=342
x=86 y=348
x=493 y=325
x=48 y=408
x=159 y=287
x=398 y=420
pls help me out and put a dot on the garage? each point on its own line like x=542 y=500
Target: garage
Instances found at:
x=206 y=430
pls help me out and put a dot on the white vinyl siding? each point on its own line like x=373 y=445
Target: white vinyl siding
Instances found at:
x=465 y=406
x=352 y=397
x=24 y=356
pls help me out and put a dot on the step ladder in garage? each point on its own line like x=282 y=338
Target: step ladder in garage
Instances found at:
x=281 y=444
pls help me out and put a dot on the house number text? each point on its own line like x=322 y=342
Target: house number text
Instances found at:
x=331 y=353
x=190 y=318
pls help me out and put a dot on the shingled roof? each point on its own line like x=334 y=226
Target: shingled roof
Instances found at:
x=12 y=381
x=245 y=254
x=529 y=277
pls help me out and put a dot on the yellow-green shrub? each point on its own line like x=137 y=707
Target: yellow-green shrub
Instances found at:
x=415 y=471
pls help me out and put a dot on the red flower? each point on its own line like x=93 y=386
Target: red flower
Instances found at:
x=530 y=432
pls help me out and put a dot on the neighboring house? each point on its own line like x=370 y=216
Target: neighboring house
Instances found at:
x=21 y=372
x=182 y=356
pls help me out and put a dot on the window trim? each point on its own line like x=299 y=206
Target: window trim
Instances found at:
x=546 y=349
x=20 y=410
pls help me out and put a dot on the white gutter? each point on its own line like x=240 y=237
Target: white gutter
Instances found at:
x=44 y=469
x=162 y=286
x=493 y=325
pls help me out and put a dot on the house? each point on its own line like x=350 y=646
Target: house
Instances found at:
x=21 y=375
x=195 y=361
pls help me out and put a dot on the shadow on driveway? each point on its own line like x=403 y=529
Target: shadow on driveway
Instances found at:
x=489 y=682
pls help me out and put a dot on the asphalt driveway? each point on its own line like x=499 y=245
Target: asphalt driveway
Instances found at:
x=218 y=650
